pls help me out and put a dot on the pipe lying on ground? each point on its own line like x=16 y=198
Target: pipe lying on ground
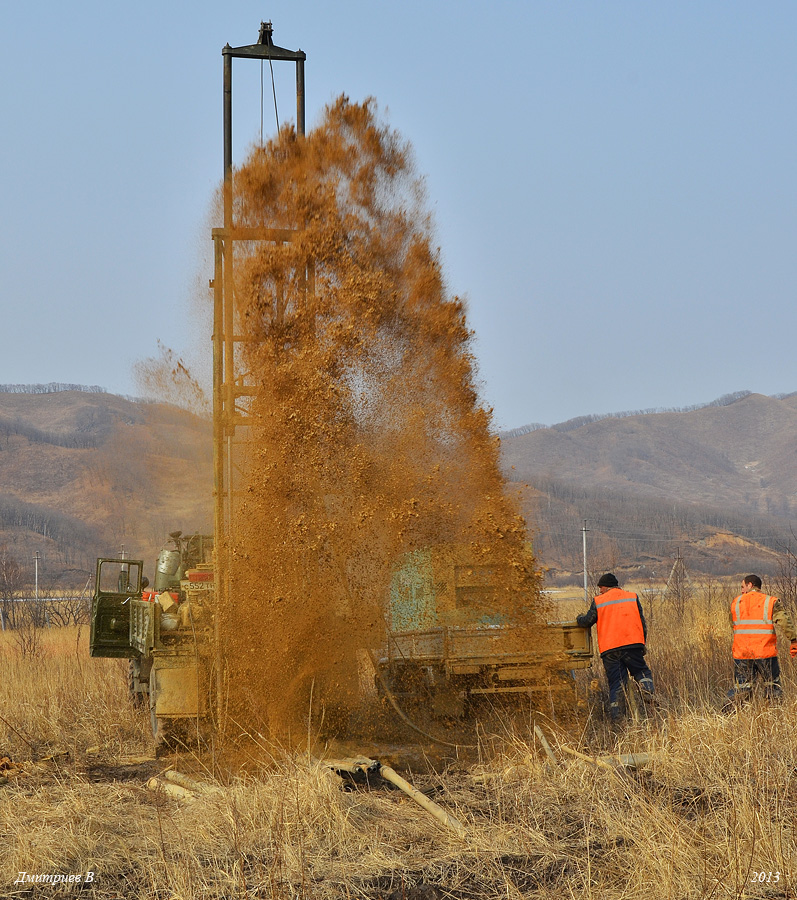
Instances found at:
x=188 y=783
x=174 y=790
x=545 y=745
x=422 y=800
x=372 y=766
x=590 y=759
x=628 y=760
x=633 y=760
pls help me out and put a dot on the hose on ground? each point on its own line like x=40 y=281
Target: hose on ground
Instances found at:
x=404 y=718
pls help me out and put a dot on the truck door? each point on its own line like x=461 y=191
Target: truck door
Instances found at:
x=117 y=581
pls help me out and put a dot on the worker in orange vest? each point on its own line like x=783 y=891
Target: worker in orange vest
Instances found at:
x=622 y=632
x=754 y=616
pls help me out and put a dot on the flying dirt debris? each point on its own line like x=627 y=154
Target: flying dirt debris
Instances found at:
x=368 y=440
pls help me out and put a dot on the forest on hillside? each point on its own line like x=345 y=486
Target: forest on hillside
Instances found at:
x=85 y=474
x=629 y=531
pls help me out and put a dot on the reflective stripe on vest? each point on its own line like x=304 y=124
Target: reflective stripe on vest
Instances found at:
x=753 y=629
x=619 y=623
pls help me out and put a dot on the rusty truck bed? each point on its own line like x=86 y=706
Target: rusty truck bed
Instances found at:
x=467 y=648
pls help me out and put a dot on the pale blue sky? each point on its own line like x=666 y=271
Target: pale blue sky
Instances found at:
x=613 y=183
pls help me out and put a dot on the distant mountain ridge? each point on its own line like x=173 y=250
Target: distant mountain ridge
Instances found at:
x=52 y=387
x=84 y=473
x=733 y=461
x=578 y=421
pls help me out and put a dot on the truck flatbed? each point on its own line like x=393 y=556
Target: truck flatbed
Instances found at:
x=466 y=649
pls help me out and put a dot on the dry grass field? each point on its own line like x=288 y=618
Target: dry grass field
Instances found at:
x=712 y=814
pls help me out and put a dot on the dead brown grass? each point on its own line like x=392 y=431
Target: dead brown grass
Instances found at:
x=712 y=810
x=62 y=700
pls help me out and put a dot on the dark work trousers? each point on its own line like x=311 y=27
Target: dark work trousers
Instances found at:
x=618 y=663
x=747 y=673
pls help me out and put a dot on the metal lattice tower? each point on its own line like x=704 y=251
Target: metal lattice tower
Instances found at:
x=230 y=388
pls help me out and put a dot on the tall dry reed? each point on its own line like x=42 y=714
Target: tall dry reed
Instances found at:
x=708 y=816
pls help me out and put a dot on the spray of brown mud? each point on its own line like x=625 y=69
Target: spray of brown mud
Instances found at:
x=168 y=378
x=368 y=439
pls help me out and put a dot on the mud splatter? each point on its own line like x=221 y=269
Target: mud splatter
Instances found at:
x=168 y=378
x=369 y=440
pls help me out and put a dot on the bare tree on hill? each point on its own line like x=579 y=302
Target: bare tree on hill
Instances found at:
x=10 y=587
x=785 y=581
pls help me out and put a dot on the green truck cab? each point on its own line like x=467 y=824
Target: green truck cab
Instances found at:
x=118 y=582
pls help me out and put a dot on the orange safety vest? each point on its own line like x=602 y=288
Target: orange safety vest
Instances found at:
x=619 y=623
x=753 y=629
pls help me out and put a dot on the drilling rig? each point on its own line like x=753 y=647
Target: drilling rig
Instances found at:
x=434 y=649
x=172 y=634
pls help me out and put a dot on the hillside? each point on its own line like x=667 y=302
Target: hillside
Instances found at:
x=650 y=484
x=84 y=474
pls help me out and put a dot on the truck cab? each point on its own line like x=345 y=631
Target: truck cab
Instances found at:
x=118 y=582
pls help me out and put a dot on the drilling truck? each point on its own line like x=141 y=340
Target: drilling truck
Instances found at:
x=445 y=645
x=165 y=632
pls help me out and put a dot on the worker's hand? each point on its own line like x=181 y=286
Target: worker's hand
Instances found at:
x=793 y=649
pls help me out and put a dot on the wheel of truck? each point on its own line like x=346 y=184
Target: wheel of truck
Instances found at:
x=418 y=709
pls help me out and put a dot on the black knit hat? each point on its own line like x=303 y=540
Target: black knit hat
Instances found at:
x=607 y=580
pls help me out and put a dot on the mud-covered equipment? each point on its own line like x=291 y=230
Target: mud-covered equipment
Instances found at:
x=183 y=553
x=448 y=644
x=166 y=633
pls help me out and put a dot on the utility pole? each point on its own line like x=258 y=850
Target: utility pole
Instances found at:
x=36 y=558
x=584 y=542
